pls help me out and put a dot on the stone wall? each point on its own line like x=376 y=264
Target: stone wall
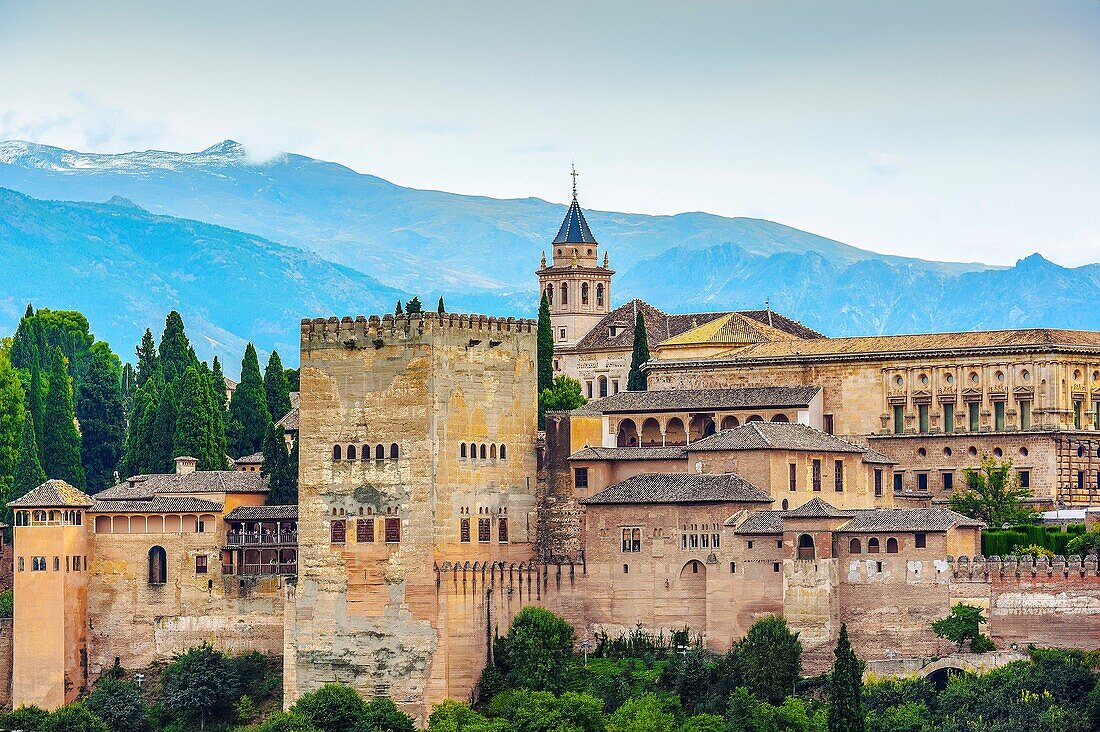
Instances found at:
x=5 y=662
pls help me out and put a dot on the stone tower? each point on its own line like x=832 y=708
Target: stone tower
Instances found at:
x=417 y=439
x=577 y=285
x=50 y=616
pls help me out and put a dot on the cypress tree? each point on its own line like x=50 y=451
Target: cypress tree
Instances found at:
x=175 y=350
x=215 y=398
x=248 y=408
x=36 y=402
x=397 y=309
x=139 y=434
x=24 y=346
x=218 y=384
x=128 y=387
x=276 y=469
x=440 y=308
x=147 y=358
x=276 y=388
x=636 y=380
x=162 y=435
x=60 y=439
x=12 y=416
x=194 y=433
x=28 y=471
x=101 y=420
x=545 y=348
x=292 y=473
x=846 y=710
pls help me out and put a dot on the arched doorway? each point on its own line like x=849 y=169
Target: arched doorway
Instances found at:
x=651 y=433
x=692 y=598
x=701 y=426
x=628 y=434
x=806 y=547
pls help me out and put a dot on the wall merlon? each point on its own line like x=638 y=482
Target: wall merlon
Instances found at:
x=363 y=331
x=979 y=567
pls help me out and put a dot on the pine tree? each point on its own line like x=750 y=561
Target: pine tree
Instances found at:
x=397 y=309
x=636 y=380
x=147 y=358
x=175 y=351
x=248 y=408
x=24 y=346
x=413 y=307
x=276 y=388
x=846 y=710
x=60 y=439
x=440 y=308
x=163 y=433
x=194 y=433
x=28 y=471
x=139 y=434
x=99 y=404
x=545 y=341
x=12 y=417
x=282 y=489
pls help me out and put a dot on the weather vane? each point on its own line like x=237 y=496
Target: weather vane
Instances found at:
x=574 y=174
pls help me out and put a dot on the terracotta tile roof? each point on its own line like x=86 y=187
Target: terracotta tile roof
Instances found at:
x=817 y=508
x=143 y=487
x=907 y=519
x=256 y=458
x=762 y=522
x=289 y=421
x=675 y=400
x=158 y=504
x=54 y=493
x=774 y=436
x=681 y=488
x=629 y=453
x=263 y=513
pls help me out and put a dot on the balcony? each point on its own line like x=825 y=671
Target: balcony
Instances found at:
x=252 y=538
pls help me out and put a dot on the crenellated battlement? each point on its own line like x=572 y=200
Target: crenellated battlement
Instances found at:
x=1057 y=566
x=362 y=330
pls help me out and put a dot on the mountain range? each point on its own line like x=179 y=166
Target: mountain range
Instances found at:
x=350 y=243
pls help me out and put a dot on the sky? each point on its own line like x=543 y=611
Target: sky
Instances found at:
x=942 y=130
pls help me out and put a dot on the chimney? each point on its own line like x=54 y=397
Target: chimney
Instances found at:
x=186 y=464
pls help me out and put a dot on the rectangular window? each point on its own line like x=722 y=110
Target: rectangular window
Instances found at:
x=21 y=565
x=948 y=418
x=922 y=417
x=393 y=530
x=502 y=530
x=922 y=481
x=897 y=482
x=580 y=477
x=899 y=419
x=706 y=541
x=920 y=541
x=715 y=540
x=1080 y=480
x=483 y=528
x=200 y=564
x=693 y=541
x=1076 y=414
x=792 y=476
x=614 y=386
x=778 y=543
x=838 y=476
x=338 y=531
x=683 y=541
x=775 y=566
x=632 y=540
x=561 y=334
x=464 y=531
x=949 y=481
x=588 y=386
x=750 y=543
x=733 y=567
x=1025 y=414
x=975 y=423
x=1025 y=478
x=999 y=416
x=878 y=481
x=76 y=563
x=364 y=531
x=827 y=423
x=817 y=475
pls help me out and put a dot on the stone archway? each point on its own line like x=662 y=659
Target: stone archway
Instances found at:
x=628 y=434
x=692 y=597
x=938 y=672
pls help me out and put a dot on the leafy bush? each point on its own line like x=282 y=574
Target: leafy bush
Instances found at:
x=332 y=708
x=119 y=705
x=28 y=718
x=73 y=717
x=536 y=652
x=200 y=685
x=1032 y=550
x=7 y=600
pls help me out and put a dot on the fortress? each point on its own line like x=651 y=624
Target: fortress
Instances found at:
x=768 y=469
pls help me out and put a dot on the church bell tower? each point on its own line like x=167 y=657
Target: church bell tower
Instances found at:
x=576 y=285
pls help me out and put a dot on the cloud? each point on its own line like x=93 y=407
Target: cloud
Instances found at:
x=87 y=126
x=884 y=164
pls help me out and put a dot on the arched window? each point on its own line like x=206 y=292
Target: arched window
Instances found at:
x=39 y=517
x=602 y=382
x=564 y=293
x=780 y=418
x=351 y=452
x=158 y=566
x=380 y=452
x=482 y=451
x=395 y=451
x=549 y=294
x=462 y=450
x=806 y=547
x=492 y=452
x=473 y=451
x=599 y=294
x=584 y=293
x=891 y=545
x=854 y=547
x=503 y=452
x=872 y=546
x=755 y=418
x=364 y=452
x=785 y=504
x=336 y=452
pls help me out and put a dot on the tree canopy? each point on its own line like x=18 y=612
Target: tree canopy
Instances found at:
x=993 y=494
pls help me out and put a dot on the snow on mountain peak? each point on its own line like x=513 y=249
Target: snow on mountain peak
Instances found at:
x=32 y=155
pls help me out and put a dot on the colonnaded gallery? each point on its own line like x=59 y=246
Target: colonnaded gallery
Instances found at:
x=767 y=469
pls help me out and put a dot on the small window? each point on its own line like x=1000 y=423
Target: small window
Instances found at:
x=922 y=481
x=715 y=540
x=792 y=477
x=158 y=566
x=949 y=481
x=580 y=479
x=57 y=564
x=483 y=528
x=338 y=531
x=38 y=564
x=733 y=567
x=364 y=531
x=838 y=476
x=779 y=544
x=827 y=423
x=891 y=545
x=336 y=452
x=393 y=530
x=561 y=334
x=878 y=567
x=351 y=452
x=1025 y=478
x=492 y=452
x=464 y=531
x=626 y=569
x=379 y=452
x=920 y=540
x=878 y=481
x=854 y=547
x=503 y=452
x=395 y=451
x=462 y=450
x=817 y=475
x=200 y=564
x=873 y=546
x=502 y=530
x=21 y=564
x=632 y=540
x=897 y=482
x=750 y=543
x=482 y=451
x=775 y=566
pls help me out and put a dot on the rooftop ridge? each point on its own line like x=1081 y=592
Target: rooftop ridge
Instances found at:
x=368 y=329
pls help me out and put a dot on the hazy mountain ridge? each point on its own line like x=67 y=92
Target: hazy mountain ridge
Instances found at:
x=125 y=268
x=481 y=252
